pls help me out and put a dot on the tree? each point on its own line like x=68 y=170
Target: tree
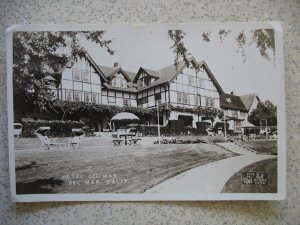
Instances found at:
x=264 y=40
x=178 y=47
x=264 y=110
x=36 y=57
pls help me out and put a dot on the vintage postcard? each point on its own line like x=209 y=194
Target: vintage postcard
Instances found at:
x=146 y=112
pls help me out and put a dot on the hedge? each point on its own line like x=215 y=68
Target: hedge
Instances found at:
x=175 y=127
x=58 y=128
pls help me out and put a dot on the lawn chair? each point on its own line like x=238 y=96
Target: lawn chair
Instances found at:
x=75 y=141
x=116 y=140
x=46 y=141
x=50 y=143
x=17 y=129
x=136 y=141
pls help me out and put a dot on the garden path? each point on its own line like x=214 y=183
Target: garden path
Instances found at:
x=209 y=178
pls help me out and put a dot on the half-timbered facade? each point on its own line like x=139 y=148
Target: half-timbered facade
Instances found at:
x=181 y=86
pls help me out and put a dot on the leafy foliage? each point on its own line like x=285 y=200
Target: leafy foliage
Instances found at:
x=69 y=108
x=178 y=47
x=263 y=38
x=265 y=110
x=37 y=56
x=241 y=41
x=223 y=34
x=206 y=36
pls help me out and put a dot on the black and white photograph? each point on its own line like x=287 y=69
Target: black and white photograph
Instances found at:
x=146 y=112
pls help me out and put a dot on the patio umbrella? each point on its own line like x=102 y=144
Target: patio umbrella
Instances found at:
x=125 y=116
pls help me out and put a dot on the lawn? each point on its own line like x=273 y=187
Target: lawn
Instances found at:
x=263 y=146
x=268 y=166
x=103 y=168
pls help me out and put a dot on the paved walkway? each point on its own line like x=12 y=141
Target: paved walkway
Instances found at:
x=209 y=178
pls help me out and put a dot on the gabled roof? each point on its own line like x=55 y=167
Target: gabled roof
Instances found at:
x=167 y=74
x=248 y=100
x=210 y=74
x=89 y=59
x=116 y=71
x=232 y=102
x=108 y=71
x=152 y=73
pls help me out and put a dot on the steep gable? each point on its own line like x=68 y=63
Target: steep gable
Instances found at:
x=169 y=73
x=249 y=100
x=84 y=53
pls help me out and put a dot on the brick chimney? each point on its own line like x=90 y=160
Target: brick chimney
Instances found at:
x=116 y=64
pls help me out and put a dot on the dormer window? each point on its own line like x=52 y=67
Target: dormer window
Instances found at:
x=119 y=81
x=145 y=80
x=228 y=100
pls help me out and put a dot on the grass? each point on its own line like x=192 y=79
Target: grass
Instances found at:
x=263 y=146
x=103 y=168
x=269 y=166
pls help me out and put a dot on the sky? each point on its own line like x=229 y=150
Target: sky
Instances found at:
x=149 y=47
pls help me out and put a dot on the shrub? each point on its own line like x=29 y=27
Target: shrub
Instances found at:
x=58 y=128
x=214 y=139
x=181 y=141
x=202 y=126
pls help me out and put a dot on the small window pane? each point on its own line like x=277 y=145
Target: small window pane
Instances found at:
x=69 y=95
x=77 y=95
x=94 y=98
x=87 y=96
x=85 y=76
x=76 y=74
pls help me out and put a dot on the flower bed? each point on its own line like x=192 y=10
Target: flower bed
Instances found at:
x=214 y=139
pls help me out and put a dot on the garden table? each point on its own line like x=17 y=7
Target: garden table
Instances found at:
x=126 y=137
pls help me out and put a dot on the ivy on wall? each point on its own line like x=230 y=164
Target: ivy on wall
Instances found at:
x=71 y=108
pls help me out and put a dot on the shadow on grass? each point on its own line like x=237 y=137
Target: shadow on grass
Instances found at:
x=42 y=186
x=27 y=166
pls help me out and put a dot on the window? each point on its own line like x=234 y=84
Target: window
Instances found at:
x=111 y=99
x=186 y=98
x=235 y=113
x=201 y=83
x=142 y=101
x=126 y=102
x=77 y=95
x=210 y=102
x=197 y=100
x=85 y=76
x=76 y=74
x=123 y=83
x=147 y=81
x=179 y=97
x=87 y=96
x=191 y=80
x=94 y=98
x=69 y=95
x=157 y=96
x=119 y=82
